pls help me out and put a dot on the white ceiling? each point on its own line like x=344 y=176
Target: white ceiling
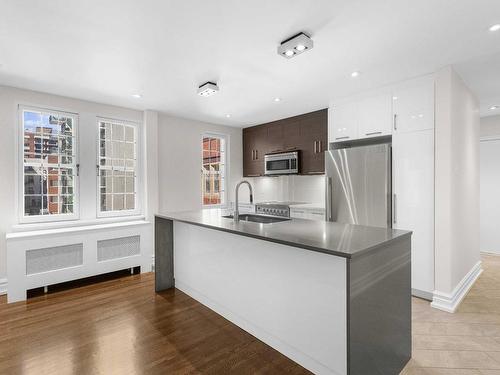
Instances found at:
x=105 y=51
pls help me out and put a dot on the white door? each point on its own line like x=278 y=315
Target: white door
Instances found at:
x=489 y=196
x=375 y=116
x=342 y=122
x=413 y=105
x=413 y=188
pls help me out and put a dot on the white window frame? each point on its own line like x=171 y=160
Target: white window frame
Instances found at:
x=22 y=218
x=226 y=168
x=138 y=175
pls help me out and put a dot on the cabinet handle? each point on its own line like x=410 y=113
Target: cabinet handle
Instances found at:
x=256 y=154
x=394 y=209
x=319 y=172
x=319 y=147
x=395 y=122
x=328 y=193
x=373 y=133
x=345 y=137
x=314 y=147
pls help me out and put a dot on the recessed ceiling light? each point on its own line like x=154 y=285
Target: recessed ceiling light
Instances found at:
x=493 y=107
x=354 y=74
x=394 y=98
x=208 y=89
x=277 y=99
x=295 y=45
x=495 y=27
x=137 y=96
x=228 y=115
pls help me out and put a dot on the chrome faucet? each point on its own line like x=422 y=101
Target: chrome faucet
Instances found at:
x=236 y=214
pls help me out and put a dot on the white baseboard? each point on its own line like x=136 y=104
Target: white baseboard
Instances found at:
x=449 y=302
x=3 y=286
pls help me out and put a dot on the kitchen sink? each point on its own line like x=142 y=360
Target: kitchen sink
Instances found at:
x=258 y=218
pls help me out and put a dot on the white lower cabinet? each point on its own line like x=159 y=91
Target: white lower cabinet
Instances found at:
x=413 y=188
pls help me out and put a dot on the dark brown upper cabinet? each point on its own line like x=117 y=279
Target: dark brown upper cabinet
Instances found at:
x=305 y=133
x=254 y=149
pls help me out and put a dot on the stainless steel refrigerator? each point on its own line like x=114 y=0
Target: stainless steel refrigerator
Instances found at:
x=359 y=185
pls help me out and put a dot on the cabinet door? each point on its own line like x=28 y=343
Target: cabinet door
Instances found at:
x=413 y=105
x=291 y=135
x=375 y=116
x=254 y=145
x=313 y=137
x=343 y=122
x=413 y=204
x=274 y=140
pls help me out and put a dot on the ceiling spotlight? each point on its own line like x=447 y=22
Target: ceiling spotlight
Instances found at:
x=295 y=45
x=137 y=96
x=208 y=89
x=354 y=74
x=493 y=107
x=495 y=27
x=277 y=99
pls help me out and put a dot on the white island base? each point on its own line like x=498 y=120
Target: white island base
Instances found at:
x=332 y=314
x=291 y=299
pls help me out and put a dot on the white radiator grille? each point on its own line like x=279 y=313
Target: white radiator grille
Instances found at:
x=53 y=258
x=118 y=248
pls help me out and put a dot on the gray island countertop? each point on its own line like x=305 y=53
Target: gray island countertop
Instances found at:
x=345 y=240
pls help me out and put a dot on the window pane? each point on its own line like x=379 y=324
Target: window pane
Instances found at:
x=118 y=182
x=213 y=157
x=118 y=202
x=129 y=134
x=129 y=201
x=117 y=153
x=49 y=140
x=118 y=133
x=67 y=204
x=106 y=202
x=33 y=205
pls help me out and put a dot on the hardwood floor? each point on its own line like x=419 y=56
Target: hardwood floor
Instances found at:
x=121 y=326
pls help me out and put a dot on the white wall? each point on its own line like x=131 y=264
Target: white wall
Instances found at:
x=489 y=198
x=10 y=98
x=180 y=157
x=457 y=181
x=490 y=126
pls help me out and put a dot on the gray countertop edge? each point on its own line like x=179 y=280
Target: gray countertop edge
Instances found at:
x=290 y=243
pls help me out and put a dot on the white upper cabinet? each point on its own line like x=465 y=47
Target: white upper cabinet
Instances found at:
x=375 y=115
x=343 y=122
x=413 y=104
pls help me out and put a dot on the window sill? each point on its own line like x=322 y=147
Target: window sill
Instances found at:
x=73 y=229
x=69 y=224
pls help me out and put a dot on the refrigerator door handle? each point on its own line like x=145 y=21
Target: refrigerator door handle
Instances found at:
x=328 y=191
x=394 y=209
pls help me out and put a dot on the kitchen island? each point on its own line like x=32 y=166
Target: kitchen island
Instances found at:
x=335 y=298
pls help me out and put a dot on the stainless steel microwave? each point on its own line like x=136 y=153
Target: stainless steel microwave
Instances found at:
x=281 y=163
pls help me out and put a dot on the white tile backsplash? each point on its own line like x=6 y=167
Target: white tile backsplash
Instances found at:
x=309 y=189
